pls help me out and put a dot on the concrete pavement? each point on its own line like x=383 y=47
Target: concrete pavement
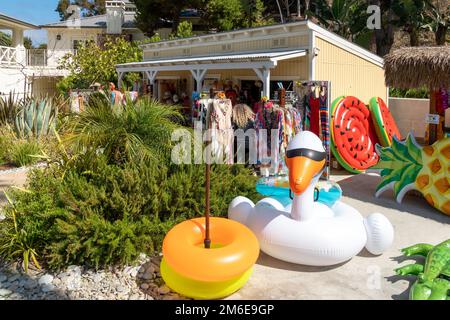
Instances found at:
x=365 y=276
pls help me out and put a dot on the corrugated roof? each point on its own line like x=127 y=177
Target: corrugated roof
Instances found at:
x=92 y=22
x=270 y=55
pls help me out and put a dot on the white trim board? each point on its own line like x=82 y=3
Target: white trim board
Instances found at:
x=345 y=44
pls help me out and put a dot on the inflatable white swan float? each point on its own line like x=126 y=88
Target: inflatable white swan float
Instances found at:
x=308 y=232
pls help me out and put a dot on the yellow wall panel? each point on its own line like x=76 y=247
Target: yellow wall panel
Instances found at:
x=348 y=73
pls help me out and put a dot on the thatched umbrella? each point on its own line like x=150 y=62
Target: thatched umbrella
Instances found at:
x=417 y=67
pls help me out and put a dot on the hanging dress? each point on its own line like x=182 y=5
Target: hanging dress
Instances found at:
x=314 y=105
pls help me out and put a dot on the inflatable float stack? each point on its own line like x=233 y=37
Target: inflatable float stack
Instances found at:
x=309 y=232
x=356 y=129
x=199 y=273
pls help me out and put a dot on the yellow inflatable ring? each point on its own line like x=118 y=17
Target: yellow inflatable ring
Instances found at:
x=200 y=289
x=233 y=252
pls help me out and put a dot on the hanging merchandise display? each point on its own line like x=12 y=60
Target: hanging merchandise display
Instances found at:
x=383 y=121
x=433 y=277
x=407 y=166
x=353 y=135
x=308 y=232
x=220 y=124
x=275 y=127
x=314 y=105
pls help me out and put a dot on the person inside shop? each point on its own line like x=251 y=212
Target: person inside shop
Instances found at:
x=230 y=93
x=186 y=104
x=167 y=99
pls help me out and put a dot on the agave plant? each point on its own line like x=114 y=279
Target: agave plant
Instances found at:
x=36 y=118
x=8 y=108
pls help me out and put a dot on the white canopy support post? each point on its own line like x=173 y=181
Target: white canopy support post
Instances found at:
x=199 y=75
x=152 y=76
x=264 y=75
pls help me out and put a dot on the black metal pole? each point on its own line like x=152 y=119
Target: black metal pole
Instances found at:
x=207 y=205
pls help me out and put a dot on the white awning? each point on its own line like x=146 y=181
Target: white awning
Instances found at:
x=224 y=61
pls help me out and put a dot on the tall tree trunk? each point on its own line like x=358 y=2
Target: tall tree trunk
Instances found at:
x=413 y=37
x=288 y=12
x=384 y=37
x=440 y=34
x=281 y=12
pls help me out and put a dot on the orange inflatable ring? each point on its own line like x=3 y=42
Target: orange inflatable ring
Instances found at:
x=233 y=252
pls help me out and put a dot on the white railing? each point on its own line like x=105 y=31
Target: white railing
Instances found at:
x=8 y=55
x=37 y=57
x=46 y=57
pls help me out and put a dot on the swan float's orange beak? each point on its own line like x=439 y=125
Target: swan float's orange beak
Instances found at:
x=302 y=170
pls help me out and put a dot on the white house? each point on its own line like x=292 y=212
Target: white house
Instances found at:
x=14 y=60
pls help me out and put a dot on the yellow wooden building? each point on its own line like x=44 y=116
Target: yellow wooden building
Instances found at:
x=297 y=51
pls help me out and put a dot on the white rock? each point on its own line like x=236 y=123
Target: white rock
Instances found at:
x=48 y=287
x=5 y=292
x=45 y=279
x=74 y=269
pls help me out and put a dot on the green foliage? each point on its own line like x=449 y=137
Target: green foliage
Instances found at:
x=36 y=117
x=98 y=203
x=109 y=214
x=88 y=7
x=151 y=13
x=411 y=17
x=24 y=152
x=184 y=30
x=95 y=63
x=5 y=39
x=9 y=107
x=346 y=18
x=421 y=93
x=224 y=14
x=133 y=132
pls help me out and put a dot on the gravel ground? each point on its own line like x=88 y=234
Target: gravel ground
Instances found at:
x=140 y=282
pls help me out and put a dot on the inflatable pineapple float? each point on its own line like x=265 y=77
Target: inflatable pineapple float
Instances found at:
x=408 y=166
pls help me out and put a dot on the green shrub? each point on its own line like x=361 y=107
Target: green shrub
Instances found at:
x=110 y=192
x=24 y=152
x=421 y=93
x=108 y=215
x=4 y=146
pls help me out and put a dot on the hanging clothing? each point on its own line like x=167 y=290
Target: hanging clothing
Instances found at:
x=324 y=124
x=314 y=105
x=221 y=131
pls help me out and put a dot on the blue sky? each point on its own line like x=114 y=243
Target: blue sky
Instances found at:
x=34 y=11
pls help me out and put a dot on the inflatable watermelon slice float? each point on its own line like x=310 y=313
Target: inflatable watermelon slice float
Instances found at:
x=353 y=137
x=384 y=123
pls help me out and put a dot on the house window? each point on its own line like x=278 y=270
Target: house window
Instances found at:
x=187 y=52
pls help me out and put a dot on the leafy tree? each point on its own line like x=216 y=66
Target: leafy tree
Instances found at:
x=95 y=63
x=384 y=36
x=184 y=30
x=411 y=17
x=224 y=15
x=88 y=7
x=346 y=18
x=5 y=39
x=254 y=13
x=151 y=14
x=438 y=20
x=27 y=43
